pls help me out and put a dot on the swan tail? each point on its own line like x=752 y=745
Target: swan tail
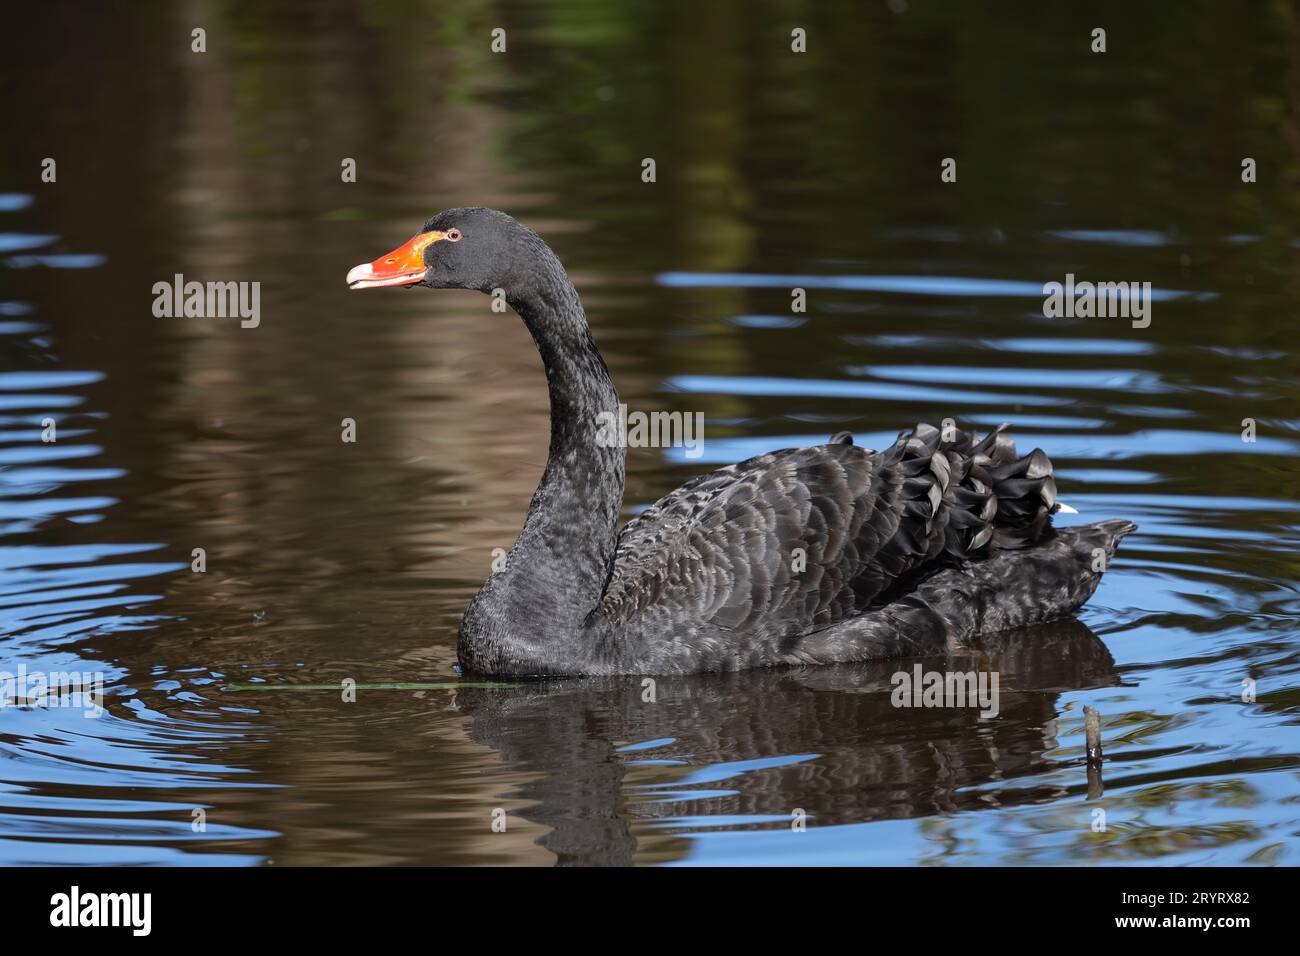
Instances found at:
x=962 y=605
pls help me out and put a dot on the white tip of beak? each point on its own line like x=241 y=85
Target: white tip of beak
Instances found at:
x=1065 y=509
x=358 y=273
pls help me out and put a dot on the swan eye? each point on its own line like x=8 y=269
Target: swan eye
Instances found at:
x=452 y=235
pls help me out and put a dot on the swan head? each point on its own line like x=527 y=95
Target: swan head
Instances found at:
x=466 y=248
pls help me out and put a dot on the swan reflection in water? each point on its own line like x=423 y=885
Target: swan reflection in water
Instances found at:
x=754 y=747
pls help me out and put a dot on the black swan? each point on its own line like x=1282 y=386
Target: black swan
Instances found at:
x=818 y=555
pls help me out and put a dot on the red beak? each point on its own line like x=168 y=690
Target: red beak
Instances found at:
x=403 y=266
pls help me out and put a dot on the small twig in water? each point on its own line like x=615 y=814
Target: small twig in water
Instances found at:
x=1092 y=733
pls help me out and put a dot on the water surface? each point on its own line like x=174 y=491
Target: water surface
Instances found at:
x=329 y=561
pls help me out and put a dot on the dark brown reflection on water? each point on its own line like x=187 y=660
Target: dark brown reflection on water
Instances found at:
x=756 y=749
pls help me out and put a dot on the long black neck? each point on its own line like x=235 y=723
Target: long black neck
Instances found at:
x=557 y=570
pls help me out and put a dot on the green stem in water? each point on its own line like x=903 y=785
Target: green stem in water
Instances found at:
x=452 y=685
